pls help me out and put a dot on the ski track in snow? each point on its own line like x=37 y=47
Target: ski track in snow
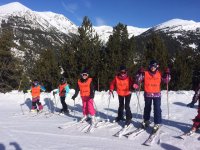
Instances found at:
x=41 y=132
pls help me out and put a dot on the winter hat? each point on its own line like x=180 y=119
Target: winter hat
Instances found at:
x=62 y=80
x=153 y=63
x=85 y=70
x=35 y=82
x=122 y=68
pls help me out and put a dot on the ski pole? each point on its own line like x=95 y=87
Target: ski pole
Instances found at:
x=167 y=98
x=75 y=119
x=98 y=115
x=55 y=101
x=23 y=104
x=49 y=98
x=138 y=101
x=108 y=106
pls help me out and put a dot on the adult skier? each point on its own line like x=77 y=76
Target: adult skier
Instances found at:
x=152 y=92
x=63 y=90
x=86 y=88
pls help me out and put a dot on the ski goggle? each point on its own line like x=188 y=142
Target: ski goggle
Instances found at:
x=35 y=83
x=84 y=74
x=123 y=72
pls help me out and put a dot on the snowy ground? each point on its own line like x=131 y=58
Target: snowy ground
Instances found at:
x=19 y=132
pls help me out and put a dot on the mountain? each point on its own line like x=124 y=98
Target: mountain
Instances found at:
x=186 y=32
x=105 y=31
x=34 y=31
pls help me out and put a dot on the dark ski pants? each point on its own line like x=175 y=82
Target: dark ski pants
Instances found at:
x=64 y=105
x=36 y=102
x=157 y=109
x=124 y=100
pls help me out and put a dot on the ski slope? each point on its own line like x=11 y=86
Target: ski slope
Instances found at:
x=41 y=132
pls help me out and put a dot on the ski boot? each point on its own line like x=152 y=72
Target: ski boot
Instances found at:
x=118 y=119
x=83 y=119
x=93 y=120
x=145 y=124
x=156 y=128
x=127 y=122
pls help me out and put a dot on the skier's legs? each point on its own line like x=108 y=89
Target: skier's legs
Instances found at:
x=157 y=110
x=147 y=108
x=121 y=107
x=33 y=105
x=64 y=105
x=90 y=106
x=84 y=107
x=39 y=104
x=127 y=107
x=196 y=121
x=34 y=102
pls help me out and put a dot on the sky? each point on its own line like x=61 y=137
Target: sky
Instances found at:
x=138 y=13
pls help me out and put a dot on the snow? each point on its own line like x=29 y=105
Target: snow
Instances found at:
x=41 y=20
x=193 y=45
x=105 y=31
x=39 y=132
x=178 y=25
x=13 y=8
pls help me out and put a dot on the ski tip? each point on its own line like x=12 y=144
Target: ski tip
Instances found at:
x=146 y=144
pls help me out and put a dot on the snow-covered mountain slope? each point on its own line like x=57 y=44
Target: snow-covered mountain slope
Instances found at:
x=186 y=32
x=41 y=20
x=105 y=31
x=178 y=25
x=41 y=132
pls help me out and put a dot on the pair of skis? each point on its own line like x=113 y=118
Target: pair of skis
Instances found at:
x=131 y=134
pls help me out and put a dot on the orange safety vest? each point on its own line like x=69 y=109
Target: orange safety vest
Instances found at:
x=35 y=91
x=152 y=82
x=85 y=87
x=123 y=86
x=62 y=89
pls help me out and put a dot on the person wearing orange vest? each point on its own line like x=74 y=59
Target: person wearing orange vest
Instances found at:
x=35 y=92
x=123 y=84
x=63 y=90
x=86 y=88
x=152 y=79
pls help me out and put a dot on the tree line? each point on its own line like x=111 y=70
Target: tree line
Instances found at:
x=86 y=50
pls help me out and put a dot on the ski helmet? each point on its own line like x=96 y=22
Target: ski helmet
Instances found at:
x=153 y=63
x=62 y=80
x=35 y=82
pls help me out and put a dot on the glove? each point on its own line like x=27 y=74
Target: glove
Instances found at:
x=167 y=71
x=191 y=105
x=73 y=97
x=54 y=93
x=110 y=92
x=135 y=86
x=141 y=70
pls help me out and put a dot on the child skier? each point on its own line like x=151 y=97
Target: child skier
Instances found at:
x=123 y=85
x=35 y=90
x=152 y=92
x=63 y=90
x=85 y=86
x=195 y=97
x=196 y=120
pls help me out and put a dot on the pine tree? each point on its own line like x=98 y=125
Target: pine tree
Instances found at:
x=82 y=51
x=47 y=69
x=10 y=69
x=156 y=50
x=120 y=50
x=182 y=71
